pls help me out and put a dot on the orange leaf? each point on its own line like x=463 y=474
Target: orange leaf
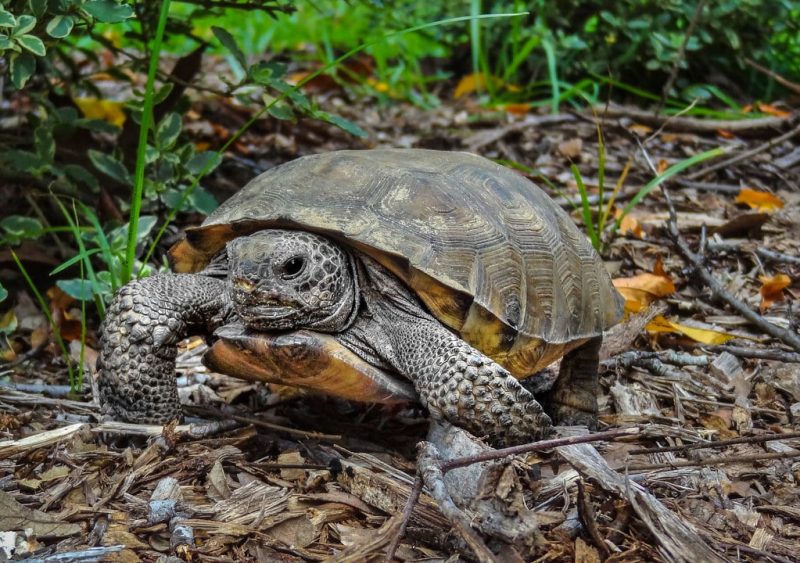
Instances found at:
x=725 y=134
x=772 y=289
x=640 y=129
x=640 y=291
x=763 y=202
x=774 y=111
x=474 y=82
x=630 y=224
x=659 y=324
x=662 y=165
x=517 y=109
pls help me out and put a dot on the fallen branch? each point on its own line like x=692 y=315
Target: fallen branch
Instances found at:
x=678 y=540
x=759 y=353
x=713 y=461
x=405 y=518
x=793 y=86
x=762 y=253
x=691 y=124
x=539 y=446
x=719 y=443
x=744 y=155
x=430 y=467
x=717 y=290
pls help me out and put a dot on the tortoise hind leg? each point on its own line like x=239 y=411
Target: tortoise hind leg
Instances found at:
x=572 y=400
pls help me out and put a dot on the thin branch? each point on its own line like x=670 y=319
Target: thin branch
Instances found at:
x=698 y=11
x=539 y=446
x=692 y=124
x=416 y=490
x=719 y=444
x=717 y=290
x=759 y=353
x=713 y=461
x=746 y=154
x=793 y=86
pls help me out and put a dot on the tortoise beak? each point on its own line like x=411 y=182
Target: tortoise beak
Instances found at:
x=305 y=359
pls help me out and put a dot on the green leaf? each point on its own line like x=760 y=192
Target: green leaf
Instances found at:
x=78 y=173
x=281 y=111
x=3 y=293
x=32 y=44
x=203 y=201
x=341 y=123
x=21 y=227
x=80 y=289
x=22 y=67
x=110 y=166
x=230 y=44
x=168 y=130
x=108 y=11
x=7 y=19
x=162 y=93
x=203 y=162
x=44 y=143
x=5 y=43
x=265 y=73
x=60 y=26
x=38 y=7
x=25 y=23
x=24 y=161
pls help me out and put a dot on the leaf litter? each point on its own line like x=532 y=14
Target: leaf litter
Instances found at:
x=258 y=473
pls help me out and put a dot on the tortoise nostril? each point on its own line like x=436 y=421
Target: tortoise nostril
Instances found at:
x=244 y=284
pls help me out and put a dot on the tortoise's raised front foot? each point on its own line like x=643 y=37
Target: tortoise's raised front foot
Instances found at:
x=573 y=399
x=138 y=341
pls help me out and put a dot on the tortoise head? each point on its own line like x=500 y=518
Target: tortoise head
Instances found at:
x=281 y=280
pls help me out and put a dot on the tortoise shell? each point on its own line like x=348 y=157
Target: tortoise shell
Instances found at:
x=486 y=250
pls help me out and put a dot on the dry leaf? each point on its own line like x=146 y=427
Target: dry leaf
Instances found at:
x=725 y=134
x=571 y=148
x=769 y=109
x=772 y=289
x=106 y=110
x=758 y=200
x=662 y=165
x=517 y=109
x=630 y=224
x=640 y=291
x=661 y=324
x=640 y=129
x=475 y=82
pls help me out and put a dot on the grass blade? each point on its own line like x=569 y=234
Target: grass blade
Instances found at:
x=144 y=128
x=586 y=211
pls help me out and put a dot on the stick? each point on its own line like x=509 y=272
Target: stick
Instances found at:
x=744 y=155
x=404 y=519
x=712 y=461
x=689 y=124
x=793 y=86
x=270 y=425
x=719 y=444
x=760 y=353
x=719 y=292
x=698 y=11
x=541 y=445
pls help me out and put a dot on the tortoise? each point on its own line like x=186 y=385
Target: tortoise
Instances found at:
x=380 y=275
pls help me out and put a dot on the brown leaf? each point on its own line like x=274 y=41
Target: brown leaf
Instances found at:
x=642 y=290
x=14 y=516
x=571 y=148
x=772 y=289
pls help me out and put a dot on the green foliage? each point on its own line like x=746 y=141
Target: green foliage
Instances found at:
x=639 y=41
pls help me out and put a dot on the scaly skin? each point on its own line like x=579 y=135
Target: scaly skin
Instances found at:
x=572 y=400
x=144 y=322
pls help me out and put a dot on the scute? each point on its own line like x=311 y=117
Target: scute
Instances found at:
x=488 y=252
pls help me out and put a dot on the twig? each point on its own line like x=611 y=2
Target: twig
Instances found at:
x=755 y=551
x=744 y=155
x=405 y=518
x=483 y=138
x=710 y=186
x=264 y=424
x=691 y=124
x=541 y=445
x=698 y=11
x=793 y=86
x=429 y=465
x=627 y=359
x=589 y=519
x=760 y=353
x=719 y=444
x=762 y=253
x=719 y=292
x=712 y=461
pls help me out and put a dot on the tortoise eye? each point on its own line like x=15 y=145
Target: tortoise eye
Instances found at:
x=292 y=267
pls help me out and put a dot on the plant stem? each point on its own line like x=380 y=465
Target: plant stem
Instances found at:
x=147 y=116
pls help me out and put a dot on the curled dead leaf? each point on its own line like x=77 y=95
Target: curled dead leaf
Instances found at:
x=772 y=289
x=764 y=202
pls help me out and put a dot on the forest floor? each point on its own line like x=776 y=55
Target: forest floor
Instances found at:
x=706 y=367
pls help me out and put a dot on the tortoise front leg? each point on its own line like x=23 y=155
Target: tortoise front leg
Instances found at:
x=143 y=324
x=572 y=400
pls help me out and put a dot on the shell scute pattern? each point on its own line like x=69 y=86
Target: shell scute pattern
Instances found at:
x=485 y=249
